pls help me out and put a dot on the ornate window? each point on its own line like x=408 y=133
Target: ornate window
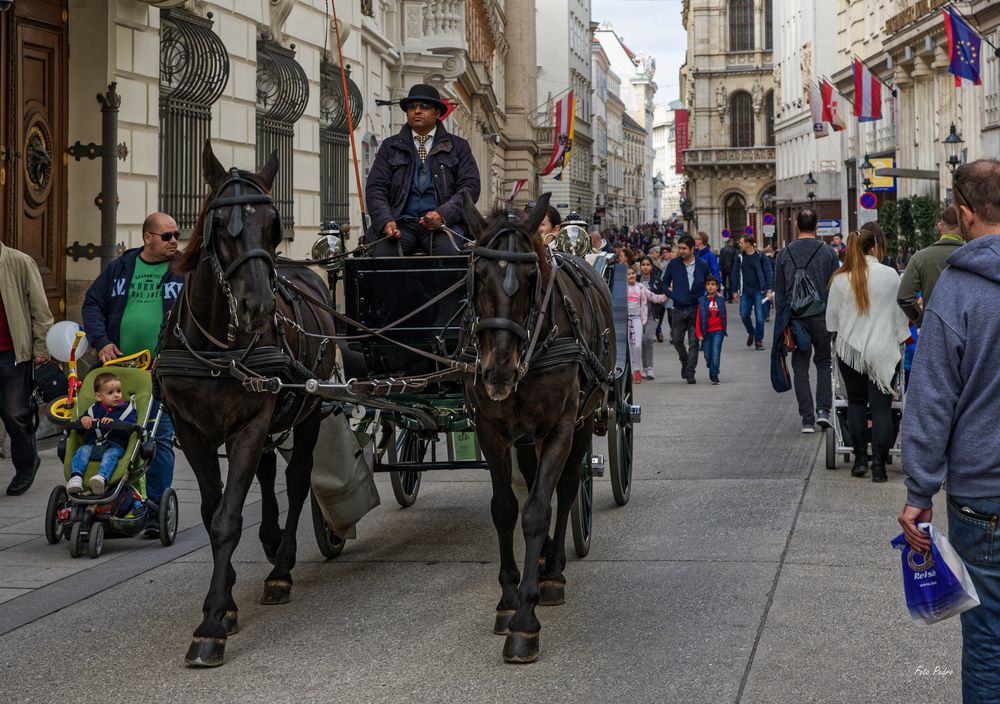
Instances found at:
x=194 y=70
x=335 y=142
x=768 y=25
x=769 y=116
x=741 y=25
x=740 y=119
x=735 y=207
x=282 y=94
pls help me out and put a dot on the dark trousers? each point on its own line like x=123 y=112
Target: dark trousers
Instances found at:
x=727 y=285
x=681 y=326
x=419 y=240
x=16 y=411
x=862 y=394
x=819 y=351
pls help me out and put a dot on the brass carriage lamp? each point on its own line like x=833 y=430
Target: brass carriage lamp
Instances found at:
x=330 y=242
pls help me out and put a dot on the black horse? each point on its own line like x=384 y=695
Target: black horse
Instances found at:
x=236 y=328
x=542 y=329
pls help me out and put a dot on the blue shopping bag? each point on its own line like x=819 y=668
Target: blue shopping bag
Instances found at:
x=937 y=585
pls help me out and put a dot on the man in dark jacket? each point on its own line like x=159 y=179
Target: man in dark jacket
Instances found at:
x=727 y=257
x=122 y=314
x=753 y=279
x=416 y=182
x=684 y=284
x=952 y=411
x=925 y=267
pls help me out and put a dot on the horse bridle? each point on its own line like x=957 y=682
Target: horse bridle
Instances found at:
x=236 y=202
x=528 y=334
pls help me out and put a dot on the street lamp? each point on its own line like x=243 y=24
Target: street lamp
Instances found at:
x=953 y=144
x=810 y=181
x=868 y=172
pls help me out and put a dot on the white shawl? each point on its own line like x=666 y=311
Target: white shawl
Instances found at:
x=869 y=342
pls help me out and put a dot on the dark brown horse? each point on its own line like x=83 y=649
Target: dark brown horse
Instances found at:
x=546 y=347
x=232 y=332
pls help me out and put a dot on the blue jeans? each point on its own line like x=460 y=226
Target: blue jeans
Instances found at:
x=712 y=345
x=161 y=469
x=109 y=460
x=976 y=539
x=755 y=301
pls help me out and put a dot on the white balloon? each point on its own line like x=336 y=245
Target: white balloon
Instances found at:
x=59 y=340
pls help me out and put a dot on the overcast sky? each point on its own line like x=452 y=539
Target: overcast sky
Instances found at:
x=654 y=27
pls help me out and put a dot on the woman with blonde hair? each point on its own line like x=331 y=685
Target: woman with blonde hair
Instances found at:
x=869 y=327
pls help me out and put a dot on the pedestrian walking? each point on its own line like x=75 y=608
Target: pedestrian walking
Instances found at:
x=869 y=328
x=710 y=326
x=816 y=262
x=727 y=258
x=659 y=264
x=25 y=318
x=952 y=411
x=639 y=299
x=650 y=277
x=753 y=278
x=684 y=284
x=417 y=181
x=122 y=314
x=925 y=267
x=706 y=254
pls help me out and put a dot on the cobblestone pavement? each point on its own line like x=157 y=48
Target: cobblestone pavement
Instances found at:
x=741 y=571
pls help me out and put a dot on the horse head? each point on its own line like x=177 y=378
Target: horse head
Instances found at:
x=508 y=272
x=238 y=232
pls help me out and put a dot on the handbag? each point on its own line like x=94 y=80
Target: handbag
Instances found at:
x=50 y=381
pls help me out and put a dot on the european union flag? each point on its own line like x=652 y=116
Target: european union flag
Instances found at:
x=964 y=48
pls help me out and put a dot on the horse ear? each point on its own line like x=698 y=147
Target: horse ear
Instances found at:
x=269 y=170
x=473 y=219
x=210 y=166
x=538 y=214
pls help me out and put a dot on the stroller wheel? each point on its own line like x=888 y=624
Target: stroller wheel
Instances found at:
x=168 y=517
x=76 y=540
x=53 y=531
x=95 y=543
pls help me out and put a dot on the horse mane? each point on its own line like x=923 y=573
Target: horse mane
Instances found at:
x=186 y=261
x=500 y=214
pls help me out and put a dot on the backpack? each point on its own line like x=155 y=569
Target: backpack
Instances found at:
x=806 y=300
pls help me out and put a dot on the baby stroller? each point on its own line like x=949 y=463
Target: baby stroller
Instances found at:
x=837 y=436
x=121 y=511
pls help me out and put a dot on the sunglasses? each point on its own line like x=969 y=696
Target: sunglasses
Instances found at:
x=958 y=192
x=422 y=106
x=167 y=236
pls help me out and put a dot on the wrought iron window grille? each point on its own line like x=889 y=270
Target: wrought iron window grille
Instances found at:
x=335 y=141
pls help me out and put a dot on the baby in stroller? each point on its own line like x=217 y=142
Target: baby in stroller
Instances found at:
x=101 y=443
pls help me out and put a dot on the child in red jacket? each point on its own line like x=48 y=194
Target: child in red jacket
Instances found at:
x=710 y=325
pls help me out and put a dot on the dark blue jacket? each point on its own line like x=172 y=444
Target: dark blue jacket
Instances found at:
x=759 y=265
x=703 y=313
x=452 y=166
x=113 y=437
x=682 y=295
x=708 y=256
x=104 y=304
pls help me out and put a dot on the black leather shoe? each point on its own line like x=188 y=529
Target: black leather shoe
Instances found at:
x=749 y=340
x=859 y=469
x=22 y=482
x=691 y=380
x=878 y=473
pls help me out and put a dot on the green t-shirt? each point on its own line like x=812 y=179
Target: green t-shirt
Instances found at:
x=143 y=314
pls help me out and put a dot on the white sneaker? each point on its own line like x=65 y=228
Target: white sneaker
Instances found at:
x=805 y=429
x=97 y=484
x=648 y=374
x=75 y=484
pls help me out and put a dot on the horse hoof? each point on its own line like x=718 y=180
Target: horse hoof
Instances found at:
x=520 y=647
x=206 y=652
x=276 y=591
x=502 y=625
x=551 y=593
x=231 y=622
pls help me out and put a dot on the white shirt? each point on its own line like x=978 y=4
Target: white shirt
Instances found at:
x=690 y=272
x=430 y=140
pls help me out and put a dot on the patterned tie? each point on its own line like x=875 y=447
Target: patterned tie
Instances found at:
x=422 y=146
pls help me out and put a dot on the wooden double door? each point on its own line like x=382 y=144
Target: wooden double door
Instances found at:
x=33 y=137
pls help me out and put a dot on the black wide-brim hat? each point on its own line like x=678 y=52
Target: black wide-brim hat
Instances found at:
x=422 y=93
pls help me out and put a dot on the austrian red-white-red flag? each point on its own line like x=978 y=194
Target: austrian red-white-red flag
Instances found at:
x=564 y=112
x=867 y=94
x=833 y=107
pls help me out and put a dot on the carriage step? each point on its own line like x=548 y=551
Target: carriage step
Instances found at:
x=597 y=465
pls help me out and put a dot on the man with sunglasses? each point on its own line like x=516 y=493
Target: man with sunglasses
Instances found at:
x=952 y=411
x=417 y=181
x=122 y=314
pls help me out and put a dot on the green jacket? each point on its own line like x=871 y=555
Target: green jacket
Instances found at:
x=922 y=274
x=28 y=314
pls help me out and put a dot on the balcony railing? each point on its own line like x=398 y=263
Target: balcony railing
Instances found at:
x=729 y=155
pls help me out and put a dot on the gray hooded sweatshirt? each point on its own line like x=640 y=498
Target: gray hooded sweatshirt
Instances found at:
x=953 y=400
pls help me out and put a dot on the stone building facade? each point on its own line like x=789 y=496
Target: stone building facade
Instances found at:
x=727 y=86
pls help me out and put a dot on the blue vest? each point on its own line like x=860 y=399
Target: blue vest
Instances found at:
x=422 y=197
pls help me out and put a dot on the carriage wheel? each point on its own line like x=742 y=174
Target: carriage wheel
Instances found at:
x=53 y=531
x=410 y=449
x=582 y=512
x=330 y=544
x=831 y=448
x=620 y=436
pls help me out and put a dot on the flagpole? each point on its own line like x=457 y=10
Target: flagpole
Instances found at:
x=974 y=26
